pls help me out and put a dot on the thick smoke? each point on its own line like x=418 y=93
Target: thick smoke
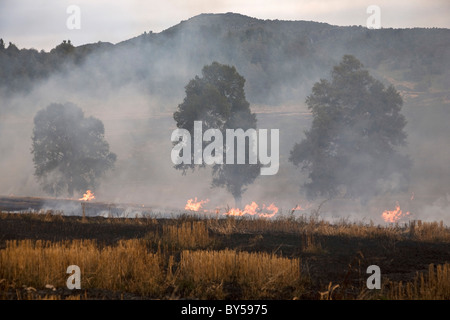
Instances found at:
x=134 y=88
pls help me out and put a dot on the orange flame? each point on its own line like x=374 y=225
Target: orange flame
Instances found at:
x=249 y=209
x=88 y=196
x=194 y=205
x=394 y=215
x=300 y=208
x=253 y=209
x=272 y=208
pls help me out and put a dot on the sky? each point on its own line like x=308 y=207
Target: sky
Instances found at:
x=42 y=24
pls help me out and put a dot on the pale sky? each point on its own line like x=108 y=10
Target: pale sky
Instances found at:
x=41 y=24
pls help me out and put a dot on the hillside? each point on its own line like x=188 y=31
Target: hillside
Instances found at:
x=280 y=59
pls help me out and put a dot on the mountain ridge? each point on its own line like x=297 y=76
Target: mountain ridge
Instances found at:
x=280 y=59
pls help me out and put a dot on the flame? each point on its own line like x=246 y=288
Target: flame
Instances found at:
x=394 y=215
x=249 y=209
x=253 y=209
x=300 y=208
x=272 y=208
x=194 y=205
x=88 y=196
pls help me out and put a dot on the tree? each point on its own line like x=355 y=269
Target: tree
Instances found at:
x=352 y=146
x=218 y=100
x=12 y=49
x=70 y=152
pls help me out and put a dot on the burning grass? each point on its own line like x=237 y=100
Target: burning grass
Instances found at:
x=219 y=258
x=412 y=230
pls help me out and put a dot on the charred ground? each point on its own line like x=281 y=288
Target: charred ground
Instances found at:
x=337 y=254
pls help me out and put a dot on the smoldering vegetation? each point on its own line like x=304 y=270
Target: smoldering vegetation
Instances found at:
x=134 y=87
x=196 y=258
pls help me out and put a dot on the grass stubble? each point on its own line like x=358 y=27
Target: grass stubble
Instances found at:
x=185 y=258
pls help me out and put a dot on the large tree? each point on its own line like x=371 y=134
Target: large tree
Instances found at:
x=218 y=100
x=352 y=147
x=69 y=150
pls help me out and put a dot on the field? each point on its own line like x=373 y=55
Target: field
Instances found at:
x=192 y=257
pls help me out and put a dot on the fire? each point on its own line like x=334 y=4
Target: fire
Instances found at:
x=300 y=208
x=253 y=209
x=195 y=205
x=88 y=196
x=394 y=215
x=272 y=208
x=249 y=209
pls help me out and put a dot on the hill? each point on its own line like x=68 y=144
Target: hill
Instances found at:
x=280 y=59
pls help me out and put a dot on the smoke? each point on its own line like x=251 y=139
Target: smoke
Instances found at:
x=437 y=211
x=134 y=88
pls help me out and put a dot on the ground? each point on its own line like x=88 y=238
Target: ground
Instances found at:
x=326 y=258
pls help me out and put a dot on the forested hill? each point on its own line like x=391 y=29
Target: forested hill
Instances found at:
x=279 y=59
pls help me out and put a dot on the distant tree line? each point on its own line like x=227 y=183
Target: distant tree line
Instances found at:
x=279 y=59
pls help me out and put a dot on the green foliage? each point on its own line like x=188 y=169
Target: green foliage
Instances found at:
x=351 y=147
x=69 y=150
x=279 y=59
x=218 y=100
x=65 y=48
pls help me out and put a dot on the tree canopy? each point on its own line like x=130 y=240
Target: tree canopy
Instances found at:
x=69 y=150
x=352 y=146
x=218 y=100
x=280 y=59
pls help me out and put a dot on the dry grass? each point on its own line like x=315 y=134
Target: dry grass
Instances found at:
x=429 y=231
x=190 y=257
x=256 y=274
x=196 y=226
x=415 y=230
x=311 y=244
x=434 y=285
x=187 y=235
x=130 y=267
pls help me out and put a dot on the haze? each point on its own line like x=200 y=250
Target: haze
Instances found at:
x=135 y=86
x=41 y=24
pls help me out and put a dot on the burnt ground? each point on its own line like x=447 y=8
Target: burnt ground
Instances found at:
x=340 y=260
